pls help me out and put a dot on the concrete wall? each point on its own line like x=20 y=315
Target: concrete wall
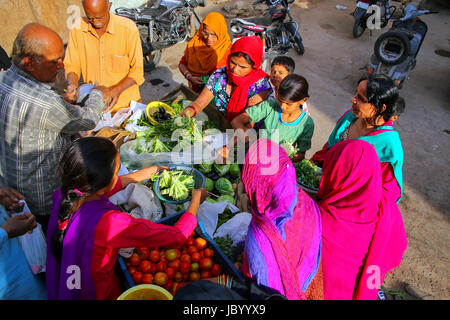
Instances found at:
x=14 y=14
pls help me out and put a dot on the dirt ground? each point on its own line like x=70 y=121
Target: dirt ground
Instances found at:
x=331 y=64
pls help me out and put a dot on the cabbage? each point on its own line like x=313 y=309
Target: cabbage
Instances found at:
x=209 y=184
x=226 y=198
x=205 y=167
x=211 y=200
x=221 y=169
x=224 y=186
x=289 y=148
x=234 y=170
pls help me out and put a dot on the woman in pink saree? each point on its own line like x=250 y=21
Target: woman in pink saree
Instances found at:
x=363 y=234
x=283 y=244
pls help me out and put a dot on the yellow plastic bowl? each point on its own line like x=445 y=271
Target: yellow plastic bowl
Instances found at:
x=146 y=292
x=153 y=107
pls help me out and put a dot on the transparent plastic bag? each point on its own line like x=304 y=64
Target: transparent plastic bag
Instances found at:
x=34 y=245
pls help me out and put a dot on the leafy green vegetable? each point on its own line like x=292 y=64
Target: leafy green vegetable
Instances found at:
x=226 y=198
x=289 y=148
x=234 y=170
x=209 y=184
x=307 y=173
x=176 y=184
x=211 y=200
x=224 y=186
x=221 y=169
x=226 y=245
x=205 y=167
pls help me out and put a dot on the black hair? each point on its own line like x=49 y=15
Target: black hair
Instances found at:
x=285 y=61
x=293 y=88
x=399 y=107
x=87 y=166
x=382 y=90
x=245 y=56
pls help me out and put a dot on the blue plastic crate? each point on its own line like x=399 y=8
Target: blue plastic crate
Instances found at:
x=219 y=256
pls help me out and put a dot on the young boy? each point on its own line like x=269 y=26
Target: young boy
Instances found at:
x=281 y=67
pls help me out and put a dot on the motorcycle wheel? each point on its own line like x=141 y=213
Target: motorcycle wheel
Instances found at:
x=392 y=47
x=298 y=45
x=358 y=28
x=151 y=60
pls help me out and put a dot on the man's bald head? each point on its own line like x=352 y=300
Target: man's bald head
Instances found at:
x=34 y=40
x=35 y=46
x=97 y=12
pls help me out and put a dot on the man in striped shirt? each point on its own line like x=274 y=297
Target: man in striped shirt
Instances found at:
x=36 y=124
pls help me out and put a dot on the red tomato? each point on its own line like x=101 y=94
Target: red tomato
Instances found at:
x=200 y=243
x=175 y=264
x=194 y=276
x=202 y=253
x=189 y=242
x=169 y=285
x=143 y=252
x=192 y=234
x=161 y=266
x=206 y=264
x=196 y=256
x=186 y=258
x=208 y=253
x=186 y=277
x=135 y=259
x=154 y=256
x=172 y=254
x=145 y=266
x=162 y=256
x=205 y=274
x=153 y=268
x=216 y=270
x=147 y=278
x=127 y=264
x=178 y=277
x=161 y=279
x=170 y=273
x=131 y=269
x=137 y=277
x=179 y=285
x=185 y=267
x=192 y=249
x=194 y=266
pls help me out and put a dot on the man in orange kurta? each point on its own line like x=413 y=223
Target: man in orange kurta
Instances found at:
x=107 y=50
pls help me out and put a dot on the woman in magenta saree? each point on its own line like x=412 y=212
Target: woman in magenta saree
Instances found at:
x=283 y=244
x=363 y=234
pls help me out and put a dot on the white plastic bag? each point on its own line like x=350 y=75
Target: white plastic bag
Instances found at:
x=236 y=227
x=114 y=122
x=33 y=245
x=208 y=214
x=140 y=200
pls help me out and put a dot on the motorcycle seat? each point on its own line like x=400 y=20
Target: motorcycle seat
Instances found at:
x=254 y=21
x=148 y=14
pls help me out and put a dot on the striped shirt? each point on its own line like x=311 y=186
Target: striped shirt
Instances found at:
x=35 y=128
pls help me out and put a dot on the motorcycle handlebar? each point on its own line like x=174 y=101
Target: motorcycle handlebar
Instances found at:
x=431 y=12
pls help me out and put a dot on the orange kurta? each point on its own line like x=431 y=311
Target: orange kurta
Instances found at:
x=107 y=60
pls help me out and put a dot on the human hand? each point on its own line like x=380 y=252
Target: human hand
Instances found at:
x=201 y=193
x=10 y=198
x=188 y=112
x=222 y=155
x=71 y=93
x=19 y=225
x=196 y=80
x=107 y=96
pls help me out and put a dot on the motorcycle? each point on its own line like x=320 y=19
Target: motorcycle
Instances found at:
x=362 y=15
x=395 y=51
x=277 y=34
x=162 y=25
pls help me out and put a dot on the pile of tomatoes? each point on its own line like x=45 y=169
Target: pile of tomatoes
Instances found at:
x=173 y=268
